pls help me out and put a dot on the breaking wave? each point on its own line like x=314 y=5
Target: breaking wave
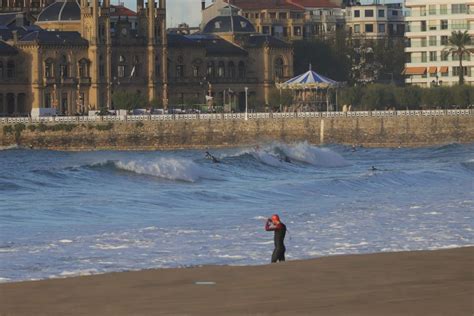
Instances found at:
x=278 y=154
x=165 y=168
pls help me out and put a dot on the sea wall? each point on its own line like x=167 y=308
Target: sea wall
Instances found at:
x=147 y=133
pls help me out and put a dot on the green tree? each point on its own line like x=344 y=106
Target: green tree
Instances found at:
x=275 y=100
x=125 y=100
x=408 y=98
x=457 y=47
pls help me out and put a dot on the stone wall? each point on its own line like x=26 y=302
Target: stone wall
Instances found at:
x=368 y=131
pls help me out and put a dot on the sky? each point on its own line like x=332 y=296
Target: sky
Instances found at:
x=179 y=11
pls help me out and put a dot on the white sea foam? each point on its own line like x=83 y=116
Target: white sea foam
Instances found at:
x=65 y=241
x=109 y=246
x=3 y=280
x=166 y=168
x=323 y=157
x=267 y=158
x=76 y=273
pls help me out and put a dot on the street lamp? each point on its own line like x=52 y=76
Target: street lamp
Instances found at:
x=246 y=102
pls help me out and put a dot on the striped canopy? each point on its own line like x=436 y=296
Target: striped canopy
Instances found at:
x=308 y=80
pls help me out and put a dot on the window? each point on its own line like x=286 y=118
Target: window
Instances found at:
x=423 y=42
x=369 y=13
x=423 y=57
x=443 y=9
x=282 y=15
x=458 y=8
x=457 y=69
x=83 y=68
x=1 y=69
x=231 y=69
x=381 y=28
x=157 y=67
x=221 y=69
x=210 y=69
x=394 y=13
x=47 y=100
x=433 y=41
x=297 y=31
x=381 y=13
x=241 y=69
x=257 y=15
x=433 y=25
x=10 y=69
x=121 y=69
x=195 y=71
x=444 y=24
x=279 y=66
x=423 y=26
x=48 y=68
x=432 y=9
x=433 y=56
x=444 y=40
x=459 y=25
x=444 y=56
x=356 y=28
x=356 y=13
x=179 y=71
x=369 y=28
x=63 y=68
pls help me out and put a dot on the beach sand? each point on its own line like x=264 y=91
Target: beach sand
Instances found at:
x=405 y=283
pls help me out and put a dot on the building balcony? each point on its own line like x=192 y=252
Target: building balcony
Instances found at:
x=85 y=81
x=214 y=80
x=49 y=81
x=68 y=80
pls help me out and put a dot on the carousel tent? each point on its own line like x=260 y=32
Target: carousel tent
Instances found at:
x=311 y=91
x=308 y=80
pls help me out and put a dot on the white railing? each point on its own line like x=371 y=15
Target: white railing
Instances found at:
x=230 y=116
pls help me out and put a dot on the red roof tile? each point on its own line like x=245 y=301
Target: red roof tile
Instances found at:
x=120 y=10
x=264 y=4
x=314 y=3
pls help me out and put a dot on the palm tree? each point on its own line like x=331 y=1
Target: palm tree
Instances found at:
x=457 y=46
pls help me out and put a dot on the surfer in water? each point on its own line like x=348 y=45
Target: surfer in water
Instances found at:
x=274 y=224
x=373 y=168
x=211 y=157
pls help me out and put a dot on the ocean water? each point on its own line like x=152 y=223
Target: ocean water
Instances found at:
x=77 y=213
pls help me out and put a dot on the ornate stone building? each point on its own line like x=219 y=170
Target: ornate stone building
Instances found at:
x=74 y=55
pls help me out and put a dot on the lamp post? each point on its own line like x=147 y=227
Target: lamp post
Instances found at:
x=246 y=102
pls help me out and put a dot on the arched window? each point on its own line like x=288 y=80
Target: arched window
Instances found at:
x=49 y=68
x=63 y=68
x=231 y=69
x=221 y=69
x=10 y=69
x=101 y=67
x=210 y=69
x=278 y=68
x=241 y=69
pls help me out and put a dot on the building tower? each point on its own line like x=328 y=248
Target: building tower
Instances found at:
x=95 y=27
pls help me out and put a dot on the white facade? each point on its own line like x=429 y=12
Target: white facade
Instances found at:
x=429 y=25
x=375 y=21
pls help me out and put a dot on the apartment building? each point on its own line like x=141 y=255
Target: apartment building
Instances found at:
x=375 y=21
x=429 y=26
x=286 y=19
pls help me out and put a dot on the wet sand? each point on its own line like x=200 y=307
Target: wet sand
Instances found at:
x=405 y=283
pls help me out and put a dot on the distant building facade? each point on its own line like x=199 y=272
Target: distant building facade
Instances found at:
x=429 y=26
x=375 y=21
x=77 y=54
x=286 y=19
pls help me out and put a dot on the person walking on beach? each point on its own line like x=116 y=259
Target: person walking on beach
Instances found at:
x=274 y=224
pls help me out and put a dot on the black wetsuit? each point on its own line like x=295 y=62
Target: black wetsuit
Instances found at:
x=279 y=237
